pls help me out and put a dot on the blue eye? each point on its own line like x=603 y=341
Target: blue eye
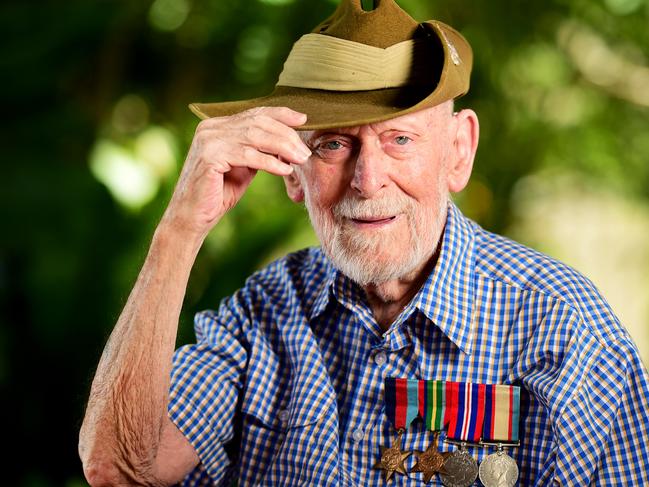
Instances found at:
x=402 y=140
x=332 y=145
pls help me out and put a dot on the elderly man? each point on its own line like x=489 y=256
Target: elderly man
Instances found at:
x=411 y=348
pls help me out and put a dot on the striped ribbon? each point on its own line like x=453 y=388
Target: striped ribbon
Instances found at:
x=464 y=411
x=469 y=412
x=432 y=403
x=401 y=401
x=502 y=412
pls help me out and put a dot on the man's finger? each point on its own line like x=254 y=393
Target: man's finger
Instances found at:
x=268 y=136
x=285 y=115
x=274 y=137
x=250 y=157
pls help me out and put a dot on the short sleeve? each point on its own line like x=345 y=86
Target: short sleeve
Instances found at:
x=604 y=432
x=206 y=380
x=625 y=459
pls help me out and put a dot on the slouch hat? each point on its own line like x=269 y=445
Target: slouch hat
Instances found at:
x=359 y=67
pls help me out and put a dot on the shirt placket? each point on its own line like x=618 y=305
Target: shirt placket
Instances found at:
x=378 y=358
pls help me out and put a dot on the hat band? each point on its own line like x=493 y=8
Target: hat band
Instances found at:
x=323 y=62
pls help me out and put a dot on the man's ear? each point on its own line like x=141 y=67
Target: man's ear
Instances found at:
x=467 y=132
x=294 y=188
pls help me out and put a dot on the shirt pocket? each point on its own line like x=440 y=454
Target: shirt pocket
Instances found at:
x=289 y=427
x=279 y=444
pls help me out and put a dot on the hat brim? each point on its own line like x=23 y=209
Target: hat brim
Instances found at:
x=330 y=109
x=335 y=109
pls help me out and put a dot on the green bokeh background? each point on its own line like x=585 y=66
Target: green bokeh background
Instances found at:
x=96 y=128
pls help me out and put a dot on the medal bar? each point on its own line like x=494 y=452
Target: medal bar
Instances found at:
x=469 y=414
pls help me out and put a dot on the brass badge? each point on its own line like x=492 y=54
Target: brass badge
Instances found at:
x=392 y=459
x=431 y=461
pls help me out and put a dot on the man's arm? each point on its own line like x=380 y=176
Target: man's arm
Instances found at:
x=602 y=433
x=625 y=453
x=126 y=437
x=125 y=418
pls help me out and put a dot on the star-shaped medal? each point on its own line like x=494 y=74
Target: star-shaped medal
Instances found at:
x=392 y=459
x=431 y=461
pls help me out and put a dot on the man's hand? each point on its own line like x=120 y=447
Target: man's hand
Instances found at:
x=127 y=437
x=224 y=156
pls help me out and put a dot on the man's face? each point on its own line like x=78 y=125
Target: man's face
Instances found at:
x=377 y=194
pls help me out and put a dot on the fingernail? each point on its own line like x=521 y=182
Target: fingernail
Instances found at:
x=304 y=154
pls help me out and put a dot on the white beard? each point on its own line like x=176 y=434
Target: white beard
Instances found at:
x=368 y=257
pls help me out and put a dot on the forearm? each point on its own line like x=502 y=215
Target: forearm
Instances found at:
x=121 y=430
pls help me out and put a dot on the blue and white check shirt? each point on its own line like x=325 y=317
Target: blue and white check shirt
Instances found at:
x=285 y=383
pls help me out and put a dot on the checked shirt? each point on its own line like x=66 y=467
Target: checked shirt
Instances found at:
x=284 y=385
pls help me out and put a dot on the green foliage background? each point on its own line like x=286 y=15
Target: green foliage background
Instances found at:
x=560 y=86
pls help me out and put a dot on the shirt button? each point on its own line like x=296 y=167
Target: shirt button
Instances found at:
x=358 y=435
x=380 y=358
x=283 y=416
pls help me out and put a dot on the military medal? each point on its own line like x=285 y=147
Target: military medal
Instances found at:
x=392 y=458
x=460 y=469
x=401 y=408
x=498 y=470
x=502 y=412
x=432 y=404
x=476 y=414
x=431 y=461
x=464 y=417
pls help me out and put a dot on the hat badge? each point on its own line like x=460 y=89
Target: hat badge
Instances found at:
x=455 y=56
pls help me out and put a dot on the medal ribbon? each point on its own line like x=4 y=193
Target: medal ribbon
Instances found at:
x=470 y=412
x=401 y=401
x=432 y=403
x=465 y=404
x=502 y=413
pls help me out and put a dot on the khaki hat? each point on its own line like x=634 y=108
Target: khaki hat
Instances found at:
x=359 y=67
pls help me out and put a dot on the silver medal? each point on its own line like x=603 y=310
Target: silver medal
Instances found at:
x=498 y=470
x=459 y=470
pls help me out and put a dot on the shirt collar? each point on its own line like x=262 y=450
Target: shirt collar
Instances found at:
x=325 y=283
x=335 y=284
x=447 y=296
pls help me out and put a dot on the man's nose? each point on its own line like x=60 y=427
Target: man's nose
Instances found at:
x=370 y=171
